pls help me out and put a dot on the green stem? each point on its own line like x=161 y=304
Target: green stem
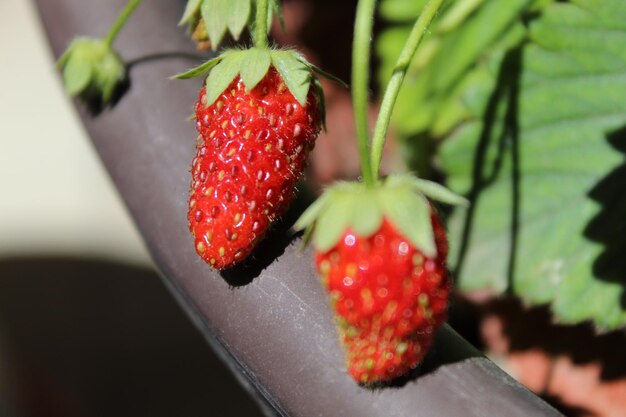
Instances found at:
x=121 y=21
x=260 y=27
x=393 y=87
x=361 y=50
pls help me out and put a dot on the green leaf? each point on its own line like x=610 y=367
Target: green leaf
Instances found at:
x=410 y=214
x=199 y=70
x=294 y=72
x=193 y=6
x=223 y=74
x=543 y=163
x=254 y=66
x=450 y=61
x=77 y=75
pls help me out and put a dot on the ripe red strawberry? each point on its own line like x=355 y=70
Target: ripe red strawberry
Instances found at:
x=252 y=149
x=388 y=298
x=381 y=252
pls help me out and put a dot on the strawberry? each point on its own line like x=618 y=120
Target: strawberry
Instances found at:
x=388 y=297
x=255 y=135
x=381 y=252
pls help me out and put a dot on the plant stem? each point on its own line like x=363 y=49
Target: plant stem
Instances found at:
x=260 y=27
x=393 y=87
x=361 y=50
x=121 y=21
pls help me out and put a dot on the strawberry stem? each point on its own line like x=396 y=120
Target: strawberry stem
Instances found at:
x=121 y=21
x=393 y=87
x=260 y=27
x=361 y=51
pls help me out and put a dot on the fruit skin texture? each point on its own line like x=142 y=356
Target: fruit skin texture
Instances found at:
x=251 y=151
x=388 y=299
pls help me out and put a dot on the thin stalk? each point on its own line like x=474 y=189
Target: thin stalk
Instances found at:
x=121 y=21
x=361 y=51
x=260 y=27
x=393 y=87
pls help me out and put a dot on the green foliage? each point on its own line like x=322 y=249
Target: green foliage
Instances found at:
x=527 y=99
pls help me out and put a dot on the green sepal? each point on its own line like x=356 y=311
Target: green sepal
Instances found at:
x=275 y=8
x=65 y=56
x=199 y=70
x=223 y=74
x=368 y=214
x=232 y=16
x=254 y=65
x=294 y=72
x=438 y=192
x=409 y=213
x=430 y=189
x=310 y=215
x=322 y=100
x=76 y=76
x=308 y=218
x=91 y=69
x=238 y=15
x=191 y=10
x=333 y=221
x=220 y=16
x=400 y=199
x=325 y=74
x=212 y=12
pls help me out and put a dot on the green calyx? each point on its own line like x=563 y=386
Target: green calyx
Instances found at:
x=252 y=65
x=400 y=199
x=225 y=16
x=92 y=69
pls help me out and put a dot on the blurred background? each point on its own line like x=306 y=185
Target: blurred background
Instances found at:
x=73 y=340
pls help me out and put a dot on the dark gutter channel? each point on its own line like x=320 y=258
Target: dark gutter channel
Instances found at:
x=276 y=333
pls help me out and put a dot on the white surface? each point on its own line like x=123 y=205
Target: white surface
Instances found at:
x=56 y=198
